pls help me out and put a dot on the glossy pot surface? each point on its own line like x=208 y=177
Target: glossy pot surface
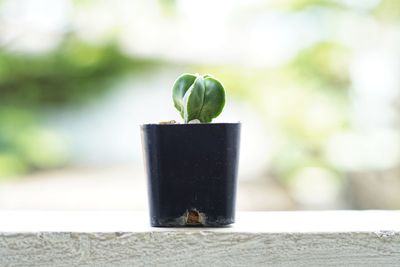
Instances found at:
x=192 y=173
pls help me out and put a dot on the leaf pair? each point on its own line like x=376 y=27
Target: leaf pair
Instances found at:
x=198 y=97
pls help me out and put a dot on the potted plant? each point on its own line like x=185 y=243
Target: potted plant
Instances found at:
x=192 y=167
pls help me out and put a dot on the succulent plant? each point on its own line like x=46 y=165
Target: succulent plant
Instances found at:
x=198 y=97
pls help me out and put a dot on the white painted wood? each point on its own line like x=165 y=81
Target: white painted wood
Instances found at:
x=331 y=238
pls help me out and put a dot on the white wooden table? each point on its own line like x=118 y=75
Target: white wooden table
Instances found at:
x=328 y=238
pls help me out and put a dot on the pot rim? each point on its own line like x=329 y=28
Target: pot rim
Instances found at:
x=191 y=124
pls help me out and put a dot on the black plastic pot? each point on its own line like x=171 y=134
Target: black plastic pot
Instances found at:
x=192 y=173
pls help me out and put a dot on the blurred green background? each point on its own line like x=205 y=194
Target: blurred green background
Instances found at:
x=316 y=84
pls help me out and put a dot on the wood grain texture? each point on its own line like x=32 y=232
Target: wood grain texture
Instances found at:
x=234 y=246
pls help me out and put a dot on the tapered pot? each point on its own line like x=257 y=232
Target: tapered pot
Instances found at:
x=191 y=172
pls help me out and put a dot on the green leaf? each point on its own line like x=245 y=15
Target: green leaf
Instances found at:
x=194 y=100
x=181 y=86
x=214 y=100
x=198 y=97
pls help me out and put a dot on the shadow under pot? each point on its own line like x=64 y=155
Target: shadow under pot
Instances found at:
x=192 y=173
